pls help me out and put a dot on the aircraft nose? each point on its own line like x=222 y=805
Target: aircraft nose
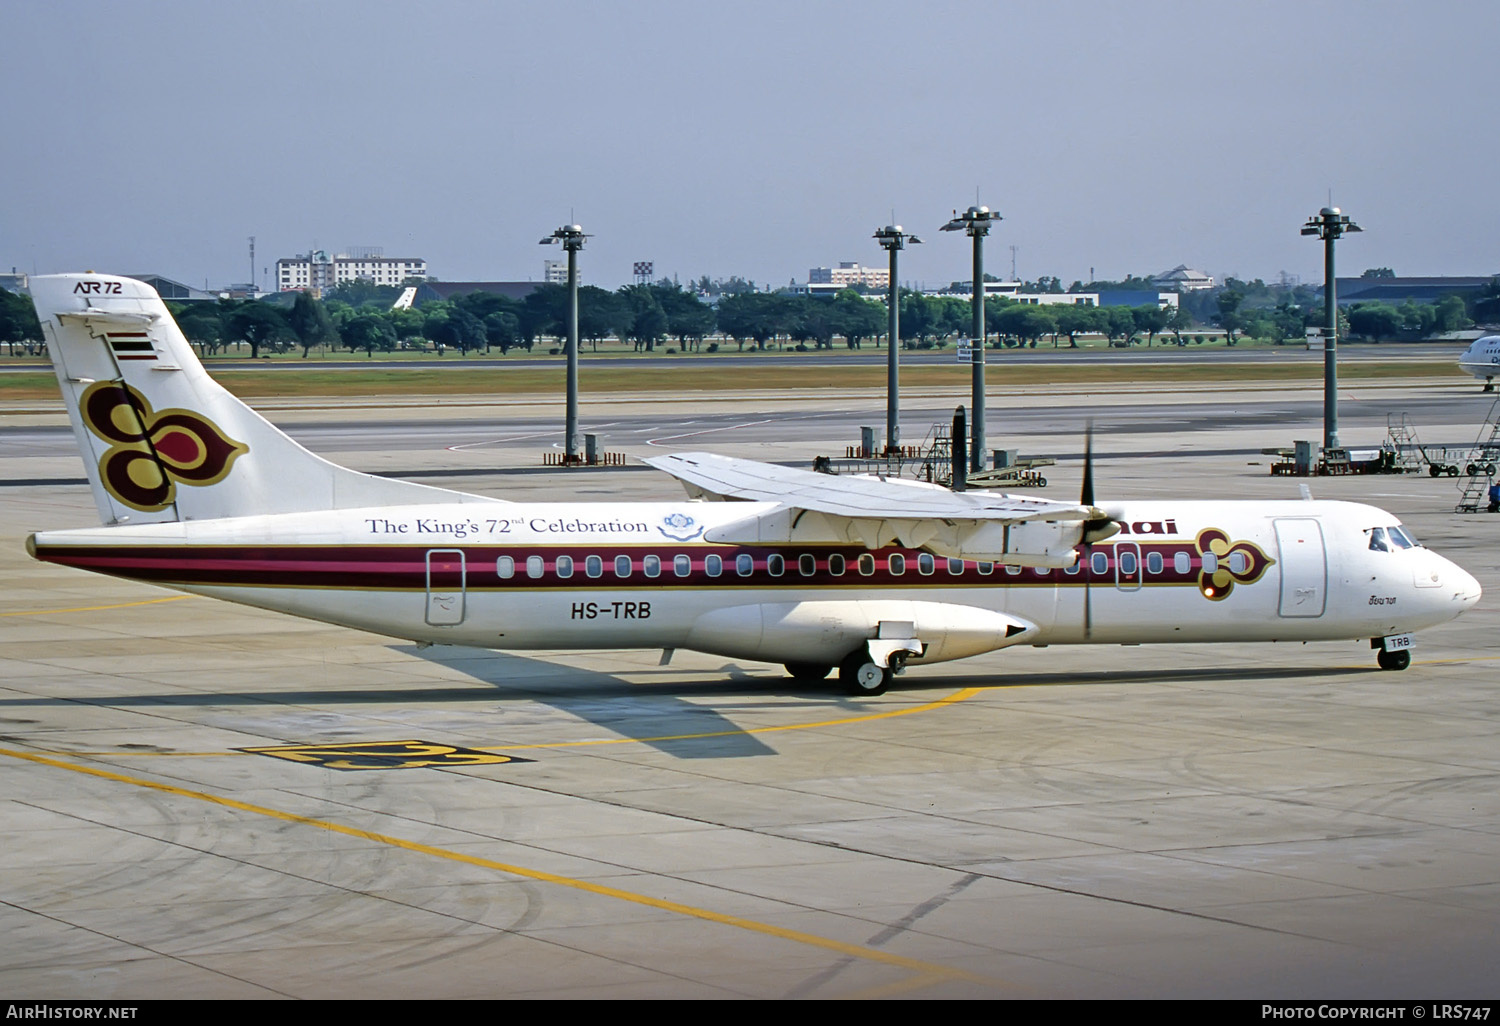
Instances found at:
x=1466 y=589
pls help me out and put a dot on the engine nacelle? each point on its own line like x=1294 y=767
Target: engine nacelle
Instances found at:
x=826 y=631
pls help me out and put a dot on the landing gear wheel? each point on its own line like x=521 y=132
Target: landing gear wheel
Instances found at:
x=1393 y=660
x=808 y=673
x=861 y=675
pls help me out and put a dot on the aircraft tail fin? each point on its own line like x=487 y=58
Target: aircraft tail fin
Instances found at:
x=162 y=440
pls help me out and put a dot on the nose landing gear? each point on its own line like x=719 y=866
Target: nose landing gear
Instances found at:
x=1393 y=660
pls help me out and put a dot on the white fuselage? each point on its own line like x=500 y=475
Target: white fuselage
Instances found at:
x=570 y=575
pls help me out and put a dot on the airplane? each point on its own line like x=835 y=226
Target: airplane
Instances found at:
x=198 y=493
x=1482 y=359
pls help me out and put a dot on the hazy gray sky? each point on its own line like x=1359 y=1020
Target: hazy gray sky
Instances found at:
x=757 y=139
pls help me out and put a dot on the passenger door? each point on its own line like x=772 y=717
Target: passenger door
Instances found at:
x=445 y=587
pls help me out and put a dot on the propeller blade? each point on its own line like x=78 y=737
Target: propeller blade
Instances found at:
x=1088 y=465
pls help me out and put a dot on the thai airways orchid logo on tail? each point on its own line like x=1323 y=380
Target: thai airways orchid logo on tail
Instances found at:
x=151 y=452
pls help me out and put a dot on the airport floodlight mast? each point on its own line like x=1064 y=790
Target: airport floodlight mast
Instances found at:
x=571 y=236
x=892 y=239
x=976 y=222
x=1328 y=226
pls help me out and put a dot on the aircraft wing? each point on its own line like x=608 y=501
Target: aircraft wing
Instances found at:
x=723 y=477
x=876 y=512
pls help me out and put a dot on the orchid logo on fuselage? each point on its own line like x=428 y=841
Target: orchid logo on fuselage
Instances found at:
x=152 y=452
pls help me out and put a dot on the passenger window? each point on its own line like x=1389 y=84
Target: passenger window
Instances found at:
x=713 y=565
x=744 y=564
x=1238 y=562
x=1377 y=540
x=985 y=568
x=1099 y=563
x=682 y=566
x=1077 y=565
x=564 y=566
x=1209 y=562
x=622 y=566
x=1012 y=569
x=925 y=563
x=836 y=565
x=505 y=566
x=1127 y=563
x=1154 y=563
x=866 y=564
x=652 y=566
x=807 y=564
x=1182 y=563
x=534 y=566
x=594 y=566
x=955 y=567
x=775 y=564
x=896 y=564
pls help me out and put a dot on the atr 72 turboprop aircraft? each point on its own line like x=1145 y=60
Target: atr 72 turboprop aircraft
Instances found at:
x=199 y=493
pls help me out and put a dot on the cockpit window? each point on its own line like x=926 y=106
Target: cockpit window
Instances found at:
x=1403 y=539
x=1377 y=540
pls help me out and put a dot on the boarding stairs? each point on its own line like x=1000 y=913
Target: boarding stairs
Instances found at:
x=1481 y=465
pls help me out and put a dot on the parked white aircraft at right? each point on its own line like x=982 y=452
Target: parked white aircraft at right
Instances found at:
x=1482 y=359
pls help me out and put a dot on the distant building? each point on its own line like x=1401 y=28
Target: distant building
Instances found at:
x=1183 y=279
x=1126 y=297
x=430 y=291
x=848 y=273
x=15 y=281
x=317 y=270
x=1398 y=290
x=176 y=291
x=555 y=272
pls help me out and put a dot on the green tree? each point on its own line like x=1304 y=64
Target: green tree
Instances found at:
x=310 y=322
x=200 y=323
x=1229 y=301
x=369 y=332
x=1074 y=319
x=260 y=324
x=857 y=318
x=1151 y=320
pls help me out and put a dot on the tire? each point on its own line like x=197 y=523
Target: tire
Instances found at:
x=861 y=675
x=1041 y=482
x=1452 y=471
x=1489 y=468
x=1473 y=469
x=808 y=672
x=1393 y=660
x=1434 y=470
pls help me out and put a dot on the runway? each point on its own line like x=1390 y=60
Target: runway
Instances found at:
x=1216 y=821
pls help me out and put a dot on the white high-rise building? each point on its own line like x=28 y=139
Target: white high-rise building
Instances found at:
x=317 y=270
x=849 y=273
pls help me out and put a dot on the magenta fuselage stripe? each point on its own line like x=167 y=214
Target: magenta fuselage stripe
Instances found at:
x=404 y=567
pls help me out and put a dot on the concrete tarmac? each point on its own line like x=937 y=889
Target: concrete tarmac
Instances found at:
x=1215 y=821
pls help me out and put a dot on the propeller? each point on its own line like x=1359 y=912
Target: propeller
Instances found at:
x=1095 y=529
x=1086 y=498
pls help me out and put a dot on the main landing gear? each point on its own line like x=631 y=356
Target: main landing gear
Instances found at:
x=862 y=675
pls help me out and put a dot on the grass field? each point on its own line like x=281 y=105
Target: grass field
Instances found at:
x=456 y=379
